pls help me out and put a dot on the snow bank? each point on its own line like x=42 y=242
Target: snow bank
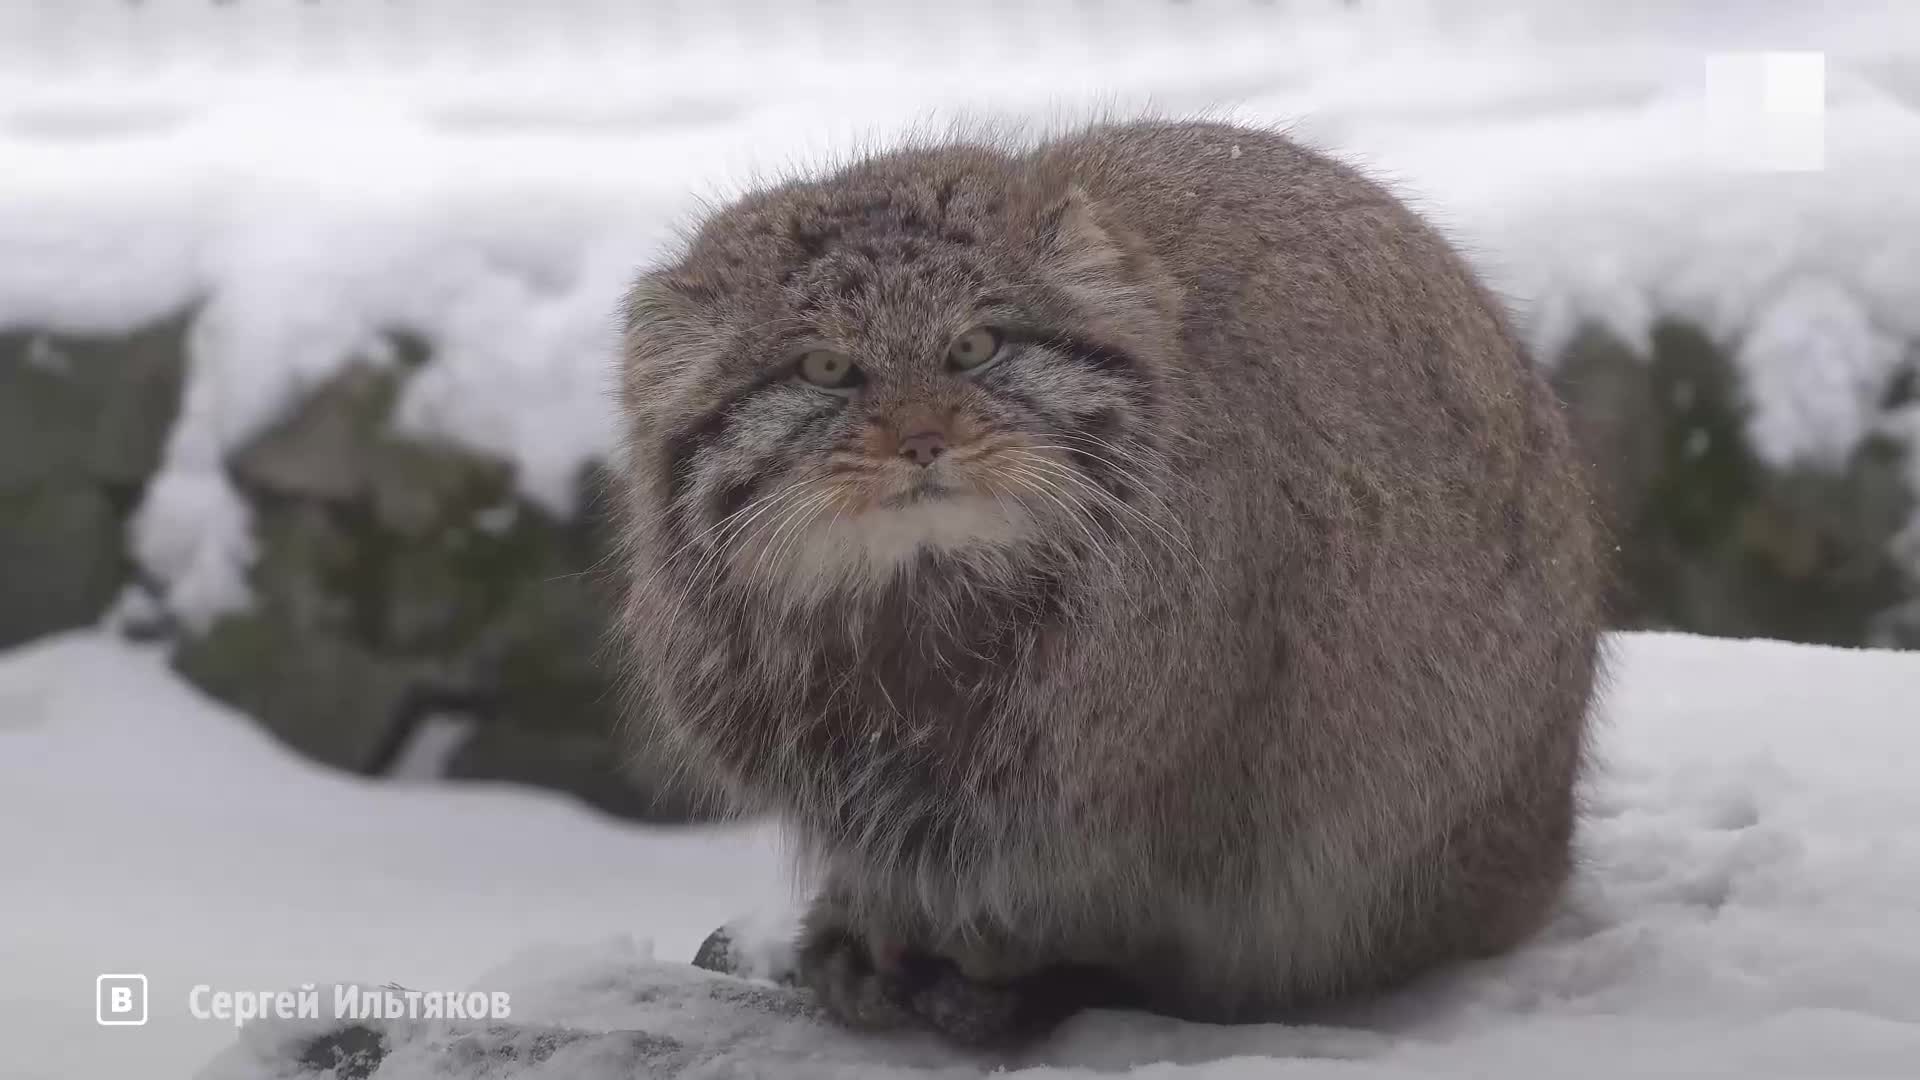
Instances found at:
x=1748 y=904
x=313 y=177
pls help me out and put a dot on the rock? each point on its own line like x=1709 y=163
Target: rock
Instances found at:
x=1710 y=538
x=92 y=408
x=586 y=765
x=141 y=378
x=312 y=570
x=45 y=416
x=410 y=577
x=716 y=953
x=61 y=560
x=350 y=1052
x=421 y=488
x=1898 y=627
x=82 y=425
x=328 y=698
x=321 y=451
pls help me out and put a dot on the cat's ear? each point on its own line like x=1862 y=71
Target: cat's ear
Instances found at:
x=662 y=297
x=669 y=340
x=1110 y=273
x=1081 y=247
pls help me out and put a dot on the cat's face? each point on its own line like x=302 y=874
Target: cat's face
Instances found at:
x=842 y=378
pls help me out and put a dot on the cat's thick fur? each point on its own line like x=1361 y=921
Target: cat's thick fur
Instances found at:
x=1240 y=659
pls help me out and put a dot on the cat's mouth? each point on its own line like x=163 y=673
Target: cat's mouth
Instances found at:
x=922 y=489
x=871 y=520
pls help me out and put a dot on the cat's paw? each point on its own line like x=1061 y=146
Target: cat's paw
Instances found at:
x=968 y=1011
x=1002 y=1013
x=838 y=967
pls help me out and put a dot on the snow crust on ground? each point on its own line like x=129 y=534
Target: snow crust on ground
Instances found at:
x=1748 y=904
x=317 y=175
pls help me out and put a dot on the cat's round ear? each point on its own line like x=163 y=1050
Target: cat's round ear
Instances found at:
x=1077 y=241
x=660 y=297
x=1102 y=266
x=669 y=338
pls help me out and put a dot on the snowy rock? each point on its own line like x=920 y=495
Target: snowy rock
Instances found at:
x=397 y=576
x=329 y=698
x=716 y=954
x=98 y=407
x=60 y=560
x=82 y=423
x=1714 y=534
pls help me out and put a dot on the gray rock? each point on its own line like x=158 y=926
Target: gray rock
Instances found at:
x=1711 y=538
x=422 y=488
x=716 y=953
x=398 y=577
x=321 y=450
x=82 y=425
x=142 y=378
x=61 y=561
x=589 y=766
x=98 y=408
x=328 y=698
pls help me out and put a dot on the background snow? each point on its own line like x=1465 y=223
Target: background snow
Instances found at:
x=1748 y=904
x=316 y=174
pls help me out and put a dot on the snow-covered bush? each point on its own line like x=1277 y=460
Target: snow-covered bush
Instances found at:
x=399 y=578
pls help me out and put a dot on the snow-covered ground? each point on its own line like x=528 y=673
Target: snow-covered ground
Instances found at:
x=316 y=174
x=145 y=829
x=1749 y=903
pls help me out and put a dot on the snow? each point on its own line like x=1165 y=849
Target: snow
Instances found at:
x=1748 y=903
x=145 y=829
x=1817 y=368
x=318 y=175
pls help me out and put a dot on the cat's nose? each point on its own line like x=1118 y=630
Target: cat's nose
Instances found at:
x=923 y=448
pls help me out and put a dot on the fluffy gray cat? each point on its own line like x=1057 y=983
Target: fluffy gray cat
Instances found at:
x=1141 y=568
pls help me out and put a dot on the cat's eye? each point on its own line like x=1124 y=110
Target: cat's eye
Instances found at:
x=828 y=370
x=974 y=349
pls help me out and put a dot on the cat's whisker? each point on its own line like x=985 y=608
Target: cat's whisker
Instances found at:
x=805 y=520
x=1134 y=482
x=725 y=523
x=795 y=518
x=1177 y=545
x=1076 y=511
x=734 y=534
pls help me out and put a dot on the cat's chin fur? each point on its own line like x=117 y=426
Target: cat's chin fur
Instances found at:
x=884 y=544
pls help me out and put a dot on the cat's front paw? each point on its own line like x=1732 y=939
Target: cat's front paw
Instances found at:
x=880 y=990
x=1003 y=1013
x=840 y=968
x=968 y=1011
